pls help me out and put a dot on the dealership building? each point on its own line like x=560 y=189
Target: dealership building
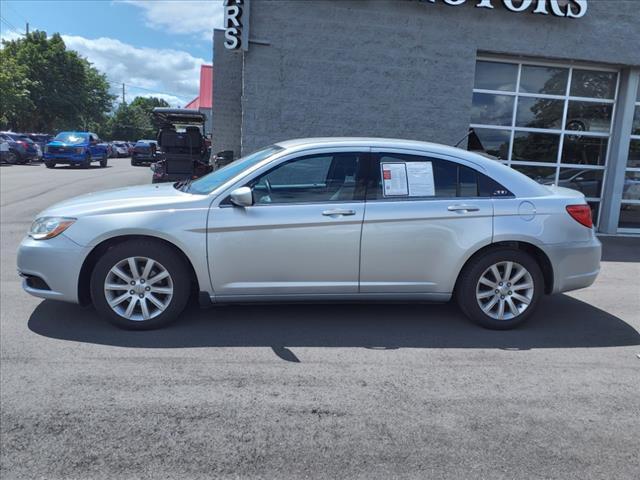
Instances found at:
x=548 y=87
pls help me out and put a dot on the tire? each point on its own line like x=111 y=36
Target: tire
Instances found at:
x=134 y=164
x=12 y=158
x=478 y=284
x=104 y=161
x=165 y=260
x=87 y=161
x=50 y=164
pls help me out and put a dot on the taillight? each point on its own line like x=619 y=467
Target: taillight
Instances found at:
x=581 y=214
x=24 y=144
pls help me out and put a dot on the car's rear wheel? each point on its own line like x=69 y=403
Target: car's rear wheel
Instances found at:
x=500 y=289
x=50 y=164
x=140 y=285
x=12 y=157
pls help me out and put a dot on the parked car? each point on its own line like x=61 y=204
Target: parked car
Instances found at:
x=319 y=220
x=144 y=152
x=5 y=151
x=75 y=148
x=40 y=139
x=183 y=151
x=23 y=147
x=121 y=149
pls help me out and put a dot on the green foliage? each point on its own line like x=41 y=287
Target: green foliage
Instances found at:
x=45 y=87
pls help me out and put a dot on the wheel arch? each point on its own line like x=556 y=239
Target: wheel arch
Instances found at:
x=541 y=258
x=84 y=279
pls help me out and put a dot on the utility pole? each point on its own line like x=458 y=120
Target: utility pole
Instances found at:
x=27 y=29
x=123 y=99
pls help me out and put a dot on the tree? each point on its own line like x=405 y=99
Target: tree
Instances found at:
x=56 y=89
x=133 y=121
x=14 y=91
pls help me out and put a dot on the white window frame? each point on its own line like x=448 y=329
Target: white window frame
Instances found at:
x=630 y=169
x=561 y=132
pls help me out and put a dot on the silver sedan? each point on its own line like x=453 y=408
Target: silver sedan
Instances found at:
x=335 y=219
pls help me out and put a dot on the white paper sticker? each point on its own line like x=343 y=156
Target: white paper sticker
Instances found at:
x=394 y=179
x=420 y=176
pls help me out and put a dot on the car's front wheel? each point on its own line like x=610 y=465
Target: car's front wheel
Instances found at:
x=500 y=289
x=50 y=164
x=140 y=285
x=103 y=162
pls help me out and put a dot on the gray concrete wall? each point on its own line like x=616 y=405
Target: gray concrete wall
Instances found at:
x=396 y=68
x=227 y=93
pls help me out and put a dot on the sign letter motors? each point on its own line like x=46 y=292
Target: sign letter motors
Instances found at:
x=236 y=24
x=564 y=8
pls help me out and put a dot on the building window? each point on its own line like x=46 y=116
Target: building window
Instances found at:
x=630 y=207
x=551 y=122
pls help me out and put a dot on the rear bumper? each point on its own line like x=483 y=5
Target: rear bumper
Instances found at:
x=138 y=158
x=575 y=265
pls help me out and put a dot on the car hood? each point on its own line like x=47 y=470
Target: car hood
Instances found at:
x=57 y=143
x=122 y=200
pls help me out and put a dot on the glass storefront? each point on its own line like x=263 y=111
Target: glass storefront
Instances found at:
x=551 y=122
x=630 y=208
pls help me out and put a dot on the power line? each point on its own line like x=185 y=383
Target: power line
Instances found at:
x=11 y=26
x=137 y=87
x=8 y=4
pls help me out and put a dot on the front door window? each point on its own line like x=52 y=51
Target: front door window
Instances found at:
x=321 y=178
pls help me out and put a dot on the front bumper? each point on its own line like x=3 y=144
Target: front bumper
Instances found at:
x=70 y=158
x=57 y=262
x=575 y=265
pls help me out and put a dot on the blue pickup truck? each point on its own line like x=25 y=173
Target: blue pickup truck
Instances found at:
x=75 y=148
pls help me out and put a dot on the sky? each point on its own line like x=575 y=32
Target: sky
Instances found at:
x=155 y=47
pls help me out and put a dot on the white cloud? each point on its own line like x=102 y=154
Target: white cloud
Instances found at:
x=8 y=35
x=185 y=17
x=174 y=74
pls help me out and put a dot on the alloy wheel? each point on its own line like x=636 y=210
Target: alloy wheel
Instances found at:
x=505 y=290
x=138 y=288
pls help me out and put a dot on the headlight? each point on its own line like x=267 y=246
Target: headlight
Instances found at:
x=44 y=228
x=80 y=150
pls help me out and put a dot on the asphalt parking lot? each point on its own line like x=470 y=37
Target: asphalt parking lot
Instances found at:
x=322 y=391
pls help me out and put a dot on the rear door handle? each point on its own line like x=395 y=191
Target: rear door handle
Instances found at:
x=462 y=208
x=338 y=212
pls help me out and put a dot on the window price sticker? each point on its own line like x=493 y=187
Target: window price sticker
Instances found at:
x=394 y=179
x=407 y=179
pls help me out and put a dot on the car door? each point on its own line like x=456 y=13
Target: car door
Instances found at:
x=300 y=237
x=424 y=216
x=94 y=148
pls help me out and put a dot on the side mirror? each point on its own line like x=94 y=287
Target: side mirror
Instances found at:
x=242 y=197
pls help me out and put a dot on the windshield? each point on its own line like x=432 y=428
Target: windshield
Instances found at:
x=71 y=138
x=209 y=183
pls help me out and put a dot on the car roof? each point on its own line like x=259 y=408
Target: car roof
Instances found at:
x=518 y=183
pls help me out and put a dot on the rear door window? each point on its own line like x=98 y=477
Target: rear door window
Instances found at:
x=403 y=176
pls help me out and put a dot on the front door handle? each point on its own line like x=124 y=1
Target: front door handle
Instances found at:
x=336 y=212
x=462 y=208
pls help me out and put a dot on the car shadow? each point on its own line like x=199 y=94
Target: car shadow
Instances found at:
x=74 y=167
x=561 y=322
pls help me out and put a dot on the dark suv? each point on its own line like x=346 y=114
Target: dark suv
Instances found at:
x=144 y=152
x=24 y=149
